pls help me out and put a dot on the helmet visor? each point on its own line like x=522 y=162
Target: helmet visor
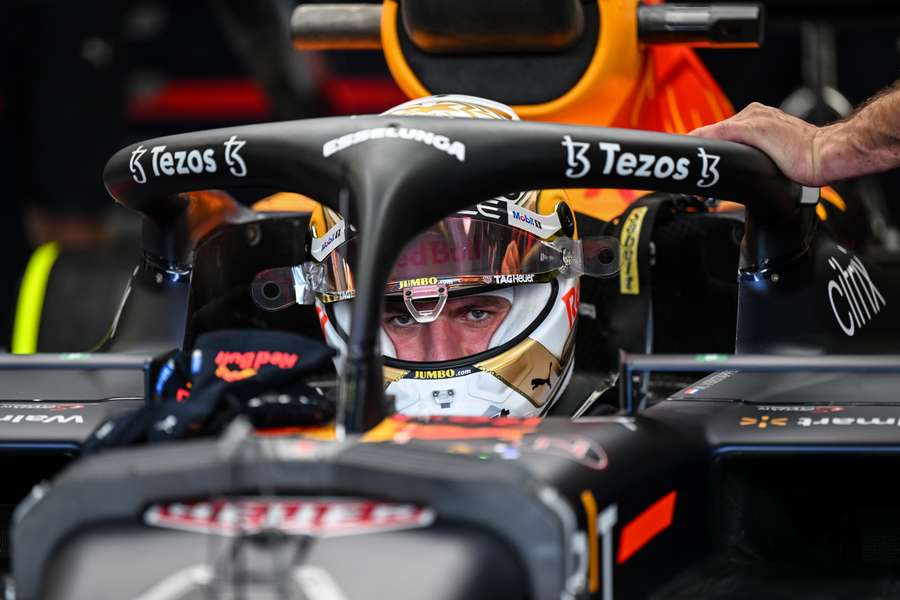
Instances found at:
x=457 y=252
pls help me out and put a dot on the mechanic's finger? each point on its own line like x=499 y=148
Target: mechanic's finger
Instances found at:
x=730 y=129
x=707 y=131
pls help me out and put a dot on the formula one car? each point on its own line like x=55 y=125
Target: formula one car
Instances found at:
x=744 y=483
x=762 y=478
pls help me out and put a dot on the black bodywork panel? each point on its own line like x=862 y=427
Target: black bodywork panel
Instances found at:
x=751 y=484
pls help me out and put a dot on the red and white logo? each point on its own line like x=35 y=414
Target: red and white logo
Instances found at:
x=571 y=300
x=320 y=517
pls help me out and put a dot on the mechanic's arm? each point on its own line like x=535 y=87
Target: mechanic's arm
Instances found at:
x=866 y=142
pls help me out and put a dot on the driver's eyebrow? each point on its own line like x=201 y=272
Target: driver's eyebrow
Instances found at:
x=395 y=305
x=481 y=300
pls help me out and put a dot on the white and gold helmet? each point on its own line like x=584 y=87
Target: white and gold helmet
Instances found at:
x=481 y=308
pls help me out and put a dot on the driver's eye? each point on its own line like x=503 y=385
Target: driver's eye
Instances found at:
x=478 y=315
x=400 y=320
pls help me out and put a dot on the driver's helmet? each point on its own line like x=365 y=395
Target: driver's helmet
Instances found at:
x=480 y=309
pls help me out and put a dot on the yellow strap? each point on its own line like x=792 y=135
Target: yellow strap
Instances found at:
x=590 y=511
x=31 y=299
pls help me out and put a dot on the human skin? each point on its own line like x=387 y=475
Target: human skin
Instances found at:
x=866 y=142
x=464 y=327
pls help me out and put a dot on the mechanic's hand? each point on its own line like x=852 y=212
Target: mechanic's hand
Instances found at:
x=792 y=143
